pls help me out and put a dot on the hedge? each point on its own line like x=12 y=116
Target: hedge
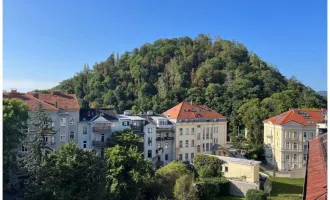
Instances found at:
x=212 y=187
x=254 y=194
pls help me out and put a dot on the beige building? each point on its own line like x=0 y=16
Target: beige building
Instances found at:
x=286 y=136
x=241 y=169
x=198 y=130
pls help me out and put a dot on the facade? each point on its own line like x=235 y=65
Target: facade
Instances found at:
x=96 y=127
x=63 y=109
x=286 y=136
x=315 y=186
x=241 y=169
x=198 y=130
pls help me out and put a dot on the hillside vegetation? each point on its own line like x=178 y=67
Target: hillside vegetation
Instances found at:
x=222 y=74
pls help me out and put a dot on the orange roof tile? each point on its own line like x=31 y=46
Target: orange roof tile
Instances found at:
x=63 y=101
x=29 y=100
x=297 y=115
x=187 y=110
x=316 y=173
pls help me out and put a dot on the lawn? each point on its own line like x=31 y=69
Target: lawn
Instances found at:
x=286 y=188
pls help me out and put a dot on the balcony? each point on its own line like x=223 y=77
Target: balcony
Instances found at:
x=137 y=127
x=102 y=129
x=106 y=143
x=164 y=138
x=164 y=126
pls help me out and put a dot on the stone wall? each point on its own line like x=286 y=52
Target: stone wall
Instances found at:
x=239 y=188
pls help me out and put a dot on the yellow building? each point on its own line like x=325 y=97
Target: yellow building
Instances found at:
x=198 y=130
x=242 y=169
x=286 y=136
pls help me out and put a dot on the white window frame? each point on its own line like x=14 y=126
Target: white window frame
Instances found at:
x=181 y=131
x=295 y=159
x=72 y=121
x=186 y=156
x=84 y=143
x=192 y=143
x=287 y=145
x=287 y=156
x=63 y=122
x=149 y=141
x=84 y=130
x=295 y=145
x=46 y=139
x=180 y=144
x=187 y=143
x=71 y=133
x=180 y=156
x=311 y=135
x=166 y=145
x=62 y=137
x=295 y=135
x=187 y=131
x=287 y=134
x=149 y=130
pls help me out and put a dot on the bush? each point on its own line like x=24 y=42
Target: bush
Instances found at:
x=254 y=194
x=208 y=166
x=212 y=187
x=184 y=188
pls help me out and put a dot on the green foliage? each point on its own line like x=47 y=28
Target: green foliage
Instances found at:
x=128 y=174
x=168 y=175
x=70 y=173
x=222 y=74
x=127 y=138
x=15 y=116
x=254 y=194
x=184 y=188
x=208 y=166
x=212 y=187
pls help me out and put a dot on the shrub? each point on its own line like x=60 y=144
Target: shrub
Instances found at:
x=208 y=166
x=254 y=194
x=212 y=187
x=184 y=188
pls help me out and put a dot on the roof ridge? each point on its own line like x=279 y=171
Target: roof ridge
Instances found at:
x=41 y=101
x=286 y=116
x=180 y=109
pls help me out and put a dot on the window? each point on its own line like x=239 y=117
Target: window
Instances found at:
x=226 y=169
x=311 y=135
x=276 y=143
x=214 y=130
x=158 y=135
x=305 y=135
x=305 y=146
x=295 y=145
x=126 y=123
x=203 y=131
x=287 y=134
x=166 y=145
x=276 y=133
x=295 y=166
x=305 y=157
x=288 y=166
x=187 y=143
x=187 y=131
x=186 y=157
x=63 y=122
x=180 y=144
x=24 y=148
x=203 y=147
x=71 y=135
x=102 y=152
x=192 y=156
x=46 y=139
x=158 y=145
x=198 y=148
x=208 y=130
x=72 y=121
x=207 y=147
x=295 y=157
x=53 y=124
x=166 y=134
x=295 y=135
x=166 y=156
x=149 y=130
x=287 y=145
x=203 y=136
x=287 y=156
x=85 y=130
x=192 y=130
x=214 y=140
x=180 y=156
x=181 y=131
x=62 y=137
x=84 y=144
x=149 y=153
x=192 y=143
x=207 y=136
x=198 y=136
x=150 y=141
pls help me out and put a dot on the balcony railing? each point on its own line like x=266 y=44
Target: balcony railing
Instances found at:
x=102 y=129
x=164 y=138
x=165 y=126
x=106 y=143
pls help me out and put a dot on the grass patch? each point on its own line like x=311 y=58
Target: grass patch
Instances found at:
x=229 y=198
x=286 y=188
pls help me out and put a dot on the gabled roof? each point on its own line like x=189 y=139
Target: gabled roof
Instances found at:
x=90 y=114
x=187 y=110
x=305 y=117
x=29 y=100
x=316 y=170
x=61 y=101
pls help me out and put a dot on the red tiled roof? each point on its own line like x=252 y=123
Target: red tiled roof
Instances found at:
x=29 y=100
x=316 y=174
x=52 y=102
x=296 y=115
x=187 y=110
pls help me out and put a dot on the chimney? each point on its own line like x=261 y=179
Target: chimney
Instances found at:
x=55 y=103
x=13 y=90
x=191 y=103
x=56 y=92
x=35 y=94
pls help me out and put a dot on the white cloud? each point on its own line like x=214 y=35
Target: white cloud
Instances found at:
x=27 y=85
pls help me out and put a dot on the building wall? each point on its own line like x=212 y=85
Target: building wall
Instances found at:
x=244 y=172
x=84 y=137
x=219 y=136
x=148 y=135
x=291 y=134
x=170 y=145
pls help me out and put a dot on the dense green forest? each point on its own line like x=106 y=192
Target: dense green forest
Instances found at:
x=222 y=74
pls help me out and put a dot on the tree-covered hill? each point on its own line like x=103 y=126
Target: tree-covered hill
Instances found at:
x=219 y=73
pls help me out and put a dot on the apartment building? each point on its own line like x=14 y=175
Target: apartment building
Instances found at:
x=286 y=136
x=63 y=109
x=198 y=130
x=96 y=127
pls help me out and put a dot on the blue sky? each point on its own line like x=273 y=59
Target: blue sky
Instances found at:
x=46 y=42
